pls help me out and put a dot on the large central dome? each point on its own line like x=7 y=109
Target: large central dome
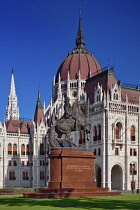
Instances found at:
x=80 y=60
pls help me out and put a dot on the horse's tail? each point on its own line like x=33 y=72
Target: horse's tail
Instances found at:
x=52 y=140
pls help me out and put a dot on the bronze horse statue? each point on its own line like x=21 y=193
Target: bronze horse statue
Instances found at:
x=73 y=122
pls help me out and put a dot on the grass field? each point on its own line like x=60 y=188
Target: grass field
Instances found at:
x=17 y=202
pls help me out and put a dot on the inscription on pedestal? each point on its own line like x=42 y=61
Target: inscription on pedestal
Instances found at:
x=78 y=168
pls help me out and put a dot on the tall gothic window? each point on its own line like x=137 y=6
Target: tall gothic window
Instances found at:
x=22 y=149
x=115 y=95
x=9 y=162
x=98 y=96
x=118 y=131
x=42 y=175
x=9 y=149
x=116 y=151
x=95 y=134
x=25 y=175
x=27 y=150
x=42 y=152
x=15 y=149
x=99 y=132
x=132 y=133
x=82 y=137
x=14 y=163
x=133 y=169
x=12 y=175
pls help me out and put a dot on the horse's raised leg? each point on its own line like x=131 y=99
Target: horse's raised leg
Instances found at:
x=60 y=142
x=69 y=140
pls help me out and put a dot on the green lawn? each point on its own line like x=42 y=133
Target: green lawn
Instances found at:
x=17 y=202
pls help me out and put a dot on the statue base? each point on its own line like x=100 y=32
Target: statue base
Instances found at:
x=71 y=175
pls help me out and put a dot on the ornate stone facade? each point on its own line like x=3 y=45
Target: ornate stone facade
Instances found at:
x=114 y=122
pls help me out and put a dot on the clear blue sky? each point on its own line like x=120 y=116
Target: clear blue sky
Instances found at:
x=36 y=35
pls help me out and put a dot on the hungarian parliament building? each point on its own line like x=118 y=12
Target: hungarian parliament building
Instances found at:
x=113 y=114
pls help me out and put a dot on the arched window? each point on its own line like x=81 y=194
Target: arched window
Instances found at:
x=25 y=175
x=15 y=149
x=115 y=95
x=118 y=131
x=9 y=149
x=99 y=132
x=42 y=152
x=132 y=133
x=98 y=97
x=98 y=94
x=27 y=150
x=22 y=149
x=12 y=175
x=133 y=169
x=42 y=175
x=95 y=134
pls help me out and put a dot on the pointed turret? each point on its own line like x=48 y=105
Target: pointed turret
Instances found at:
x=12 y=112
x=59 y=94
x=80 y=41
x=39 y=113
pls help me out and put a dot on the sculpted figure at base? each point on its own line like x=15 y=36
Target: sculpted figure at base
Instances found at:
x=72 y=120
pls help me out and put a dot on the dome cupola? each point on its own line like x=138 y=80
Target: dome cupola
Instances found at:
x=79 y=60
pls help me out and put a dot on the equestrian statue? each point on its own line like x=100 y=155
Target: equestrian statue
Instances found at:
x=74 y=119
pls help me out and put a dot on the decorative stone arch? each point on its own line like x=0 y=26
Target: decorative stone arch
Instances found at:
x=115 y=93
x=98 y=175
x=118 y=124
x=118 y=130
x=117 y=177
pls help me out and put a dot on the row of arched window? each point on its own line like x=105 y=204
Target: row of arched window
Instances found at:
x=25 y=150
x=25 y=175
x=118 y=132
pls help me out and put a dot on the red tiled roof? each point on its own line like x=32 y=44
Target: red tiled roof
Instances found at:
x=107 y=79
x=15 y=125
x=133 y=95
x=39 y=116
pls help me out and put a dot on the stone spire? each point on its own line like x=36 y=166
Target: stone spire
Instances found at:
x=80 y=41
x=39 y=112
x=12 y=111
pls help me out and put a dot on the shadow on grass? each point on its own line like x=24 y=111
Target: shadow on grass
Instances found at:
x=129 y=202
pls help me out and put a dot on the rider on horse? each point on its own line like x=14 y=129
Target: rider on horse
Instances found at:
x=72 y=112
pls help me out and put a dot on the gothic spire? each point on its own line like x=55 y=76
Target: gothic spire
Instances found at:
x=12 y=111
x=12 y=88
x=80 y=41
x=39 y=113
x=39 y=104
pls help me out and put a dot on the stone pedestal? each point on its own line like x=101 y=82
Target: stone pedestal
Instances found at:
x=71 y=169
x=71 y=175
